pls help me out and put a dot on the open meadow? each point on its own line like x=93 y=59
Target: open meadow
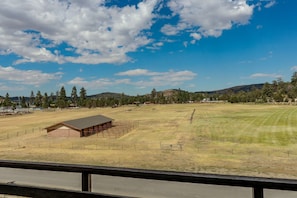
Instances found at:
x=244 y=139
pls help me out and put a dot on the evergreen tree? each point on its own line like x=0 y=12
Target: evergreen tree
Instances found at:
x=38 y=99
x=45 y=101
x=124 y=99
x=51 y=100
x=32 y=98
x=153 y=95
x=23 y=102
x=74 y=97
x=162 y=99
x=62 y=99
x=82 y=97
x=294 y=79
x=267 y=92
x=7 y=101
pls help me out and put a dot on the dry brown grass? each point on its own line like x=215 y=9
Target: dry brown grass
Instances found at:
x=215 y=142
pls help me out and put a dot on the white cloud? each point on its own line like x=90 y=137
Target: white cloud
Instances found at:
x=4 y=87
x=173 y=29
x=270 y=4
x=196 y=36
x=156 y=46
x=96 y=84
x=157 y=79
x=95 y=33
x=173 y=76
x=149 y=79
x=78 y=81
x=265 y=4
x=208 y=18
x=265 y=75
x=92 y=32
x=137 y=72
x=169 y=29
x=294 y=68
x=27 y=77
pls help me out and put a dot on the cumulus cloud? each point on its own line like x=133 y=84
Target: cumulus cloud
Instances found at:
x=96 y=31
x=40 y=30
x=27 y=77
x=149 y=79
x=208 y=18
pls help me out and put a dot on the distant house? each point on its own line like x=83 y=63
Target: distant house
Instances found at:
x=80 y=127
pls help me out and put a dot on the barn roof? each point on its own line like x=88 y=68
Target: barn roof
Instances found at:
x=86 y=122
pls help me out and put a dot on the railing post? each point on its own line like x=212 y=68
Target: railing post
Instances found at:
x=258 y=192
x=86 y=182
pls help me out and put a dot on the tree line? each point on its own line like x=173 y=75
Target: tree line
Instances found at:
x=61 y=100
x=40 y=100
x=277 y=91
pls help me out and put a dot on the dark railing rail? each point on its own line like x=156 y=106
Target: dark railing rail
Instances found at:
x=256 y=183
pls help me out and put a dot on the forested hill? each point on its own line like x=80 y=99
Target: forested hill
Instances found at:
x=236 y=89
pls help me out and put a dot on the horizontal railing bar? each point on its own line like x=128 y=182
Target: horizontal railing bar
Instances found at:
x=228 y=180
x=33 y=191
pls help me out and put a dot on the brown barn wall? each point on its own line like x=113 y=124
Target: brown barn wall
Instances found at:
x=64 y=133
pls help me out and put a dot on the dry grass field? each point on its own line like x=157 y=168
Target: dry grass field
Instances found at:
x=257 y=140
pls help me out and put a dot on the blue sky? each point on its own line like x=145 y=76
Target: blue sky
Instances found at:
x=134 y=46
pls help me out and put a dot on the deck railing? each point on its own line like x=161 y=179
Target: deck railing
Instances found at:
x=256 y=183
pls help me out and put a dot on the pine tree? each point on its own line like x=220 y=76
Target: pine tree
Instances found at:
x=32 y=98
x=82 y=97
x=23 y=102
x=74 y=96
x=7 y=101
x=45 y=101
x=38 y=99
x=52 y=100
x=62 y=99
x=153 y=95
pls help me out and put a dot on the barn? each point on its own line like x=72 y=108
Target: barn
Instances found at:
x=81 y=127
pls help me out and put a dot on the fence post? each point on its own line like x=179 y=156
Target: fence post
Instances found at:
x=258 y=192
x=86 y=182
